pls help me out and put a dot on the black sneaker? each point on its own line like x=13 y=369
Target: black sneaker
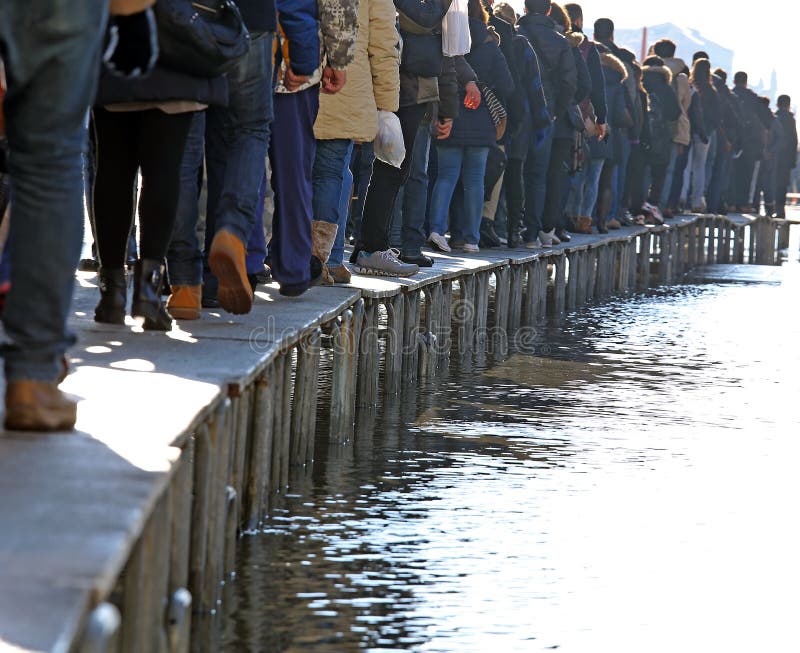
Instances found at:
x=489 y=237
x=420 y=261
x=563 y=235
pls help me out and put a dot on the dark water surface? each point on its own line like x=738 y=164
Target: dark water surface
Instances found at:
x=631 y=485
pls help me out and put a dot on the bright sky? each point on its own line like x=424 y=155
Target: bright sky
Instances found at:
x=752 y=30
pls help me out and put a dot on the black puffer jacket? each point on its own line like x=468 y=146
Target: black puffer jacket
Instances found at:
x=556 y=61
x=162 y=85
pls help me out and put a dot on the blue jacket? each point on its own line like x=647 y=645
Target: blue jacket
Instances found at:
x=474 y=128
x=297 y=41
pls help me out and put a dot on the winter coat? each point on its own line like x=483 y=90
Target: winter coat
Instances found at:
x=619 y=112
x=474 y=127
x=556 y=62
x=730 y=129
x=418 y=18
x=787 y=155
x=128 y=7
x=663 y=110
x=258 y=15
x=696 y=120
x=752 y=128
x=373 y=79
x=631 y=87
x=712 y=112
x=583 y=89
x=681 y=130
x=528 y=107
x=591 y=56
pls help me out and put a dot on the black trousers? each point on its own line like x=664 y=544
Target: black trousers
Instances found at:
x=783 y=176
x=385 y=184
x=557 y=180
x=128 y=141
x=515 y=194
x=744 y=167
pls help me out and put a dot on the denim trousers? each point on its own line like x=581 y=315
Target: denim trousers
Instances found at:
x=332 y=184
x=534 y=173
x=184 y=258
x=291 y=155
x=720 y=176
x=415 y=191
x=469 y=163
x=361 y=170
x=51 y=51
x=591 y=185
x=237 y=139
x=575 y=192
x=698 y=185
x=663 y=201
x=620 y=180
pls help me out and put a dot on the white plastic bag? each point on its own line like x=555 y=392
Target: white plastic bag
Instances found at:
x=456 y=40
x=389 y=146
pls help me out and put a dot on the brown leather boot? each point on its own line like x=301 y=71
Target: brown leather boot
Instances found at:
x=340 y=273
x=184 y=302
x=38 y=406
x=226 y=258
x=323 y=235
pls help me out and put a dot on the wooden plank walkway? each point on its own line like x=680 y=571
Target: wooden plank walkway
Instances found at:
x=73 y=508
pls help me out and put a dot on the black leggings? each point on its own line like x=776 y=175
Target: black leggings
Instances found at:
x=127 y=141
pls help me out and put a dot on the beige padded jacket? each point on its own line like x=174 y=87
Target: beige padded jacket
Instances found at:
x=373 y=78
x=128 y=7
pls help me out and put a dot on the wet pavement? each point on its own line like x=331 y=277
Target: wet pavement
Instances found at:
x=629 y=482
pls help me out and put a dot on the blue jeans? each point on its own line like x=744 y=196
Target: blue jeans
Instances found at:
x=470 y=164
x=256 y=242
x=51 y=52
x=575 y=193
x=535 y=179
x=237 y=139
x=332 y=181
x=415 y=192
x=699 y=156
x=720 y=177
x=591 y=185
x=620 y=178
x=184 y=257
x=663 y=201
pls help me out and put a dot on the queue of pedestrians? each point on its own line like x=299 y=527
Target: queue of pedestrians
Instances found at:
x=220 y=144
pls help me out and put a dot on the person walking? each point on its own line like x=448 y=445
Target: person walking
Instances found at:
x=348 y=117
x=464 y=152
x=786 y=156
x=52 y=50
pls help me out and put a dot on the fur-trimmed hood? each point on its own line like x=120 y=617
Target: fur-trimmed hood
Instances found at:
x=664 y=71
x=612 y=63
x=575 y=39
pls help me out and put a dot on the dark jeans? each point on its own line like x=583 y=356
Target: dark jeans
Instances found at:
x=184 y=257
x=619 y=201
x=237 y=139
x=535 y=178
x=743 y=168
x=720 y=178
x=765 y=184
x=515 y=195
x=361 y=167
x=127 y=142
x=681 y=162
x=415 y=190
x=557 y=183
x=783 y=174
x=385 y=184
x=291 y=155
x=51 y=51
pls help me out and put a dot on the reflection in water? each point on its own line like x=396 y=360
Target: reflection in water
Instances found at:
x=632 y=487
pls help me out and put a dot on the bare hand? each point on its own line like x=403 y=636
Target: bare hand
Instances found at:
x=291 y=81
x=473 y=97
x=601 y=131
x=443 y=128
x=333 y=80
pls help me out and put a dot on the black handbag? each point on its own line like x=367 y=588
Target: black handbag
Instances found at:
x=204 y=38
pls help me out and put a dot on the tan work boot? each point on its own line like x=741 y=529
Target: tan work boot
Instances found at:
x=38 y=406
x=226 y=258
x=323 y=235
x=184 y=302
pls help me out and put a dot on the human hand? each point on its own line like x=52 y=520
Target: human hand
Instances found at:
x=601 y=131
x=132 y=46
x=292 y=81
x=443 y=128
x=333 y=80
x=472 y=100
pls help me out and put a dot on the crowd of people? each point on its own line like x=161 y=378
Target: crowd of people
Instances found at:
x=533 y=132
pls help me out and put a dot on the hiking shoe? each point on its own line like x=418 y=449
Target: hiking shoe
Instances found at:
x=226 y=259
x=340 y=273
x=184 y=302
x=384 y=264
x=470 y=248
x=439 y=242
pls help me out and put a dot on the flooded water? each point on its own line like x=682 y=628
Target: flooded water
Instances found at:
x=631 y=485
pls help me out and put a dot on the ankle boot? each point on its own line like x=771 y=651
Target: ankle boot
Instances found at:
x=148 y=276
x=113 y=296
x=323 y=236
x=38 y=406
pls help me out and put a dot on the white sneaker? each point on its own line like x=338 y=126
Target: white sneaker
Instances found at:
x=535 y=244
x=654 y=211
x=469 y=248
x=549 y=238
x=439 y=242
x=384 y=264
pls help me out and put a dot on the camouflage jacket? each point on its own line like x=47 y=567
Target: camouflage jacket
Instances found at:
x=339 y=23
